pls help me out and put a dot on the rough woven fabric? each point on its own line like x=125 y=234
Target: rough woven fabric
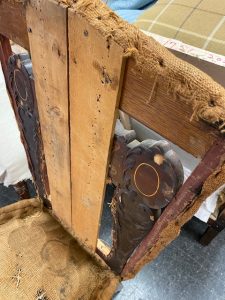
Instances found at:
x=39 y=260
x=183 y=81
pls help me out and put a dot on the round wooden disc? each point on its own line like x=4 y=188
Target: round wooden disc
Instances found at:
x=155 y=176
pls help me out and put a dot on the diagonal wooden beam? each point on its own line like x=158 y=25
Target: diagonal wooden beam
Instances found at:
x=205 y=179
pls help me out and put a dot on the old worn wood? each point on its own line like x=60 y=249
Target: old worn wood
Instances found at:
x=96 y=69
x=208 y=176
x=214 y=228
x=22 y=190
x=163 y=114
x=18 y=75
x=5 y=53
x=147 y=175
x=47 y=23
x=24 y=103
x=195 y=137
x=13 y=22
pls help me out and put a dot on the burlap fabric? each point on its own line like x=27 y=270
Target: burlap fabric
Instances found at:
x=39 y=260
x=182 y=81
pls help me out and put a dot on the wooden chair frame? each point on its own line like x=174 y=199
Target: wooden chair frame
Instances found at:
x=69 y=44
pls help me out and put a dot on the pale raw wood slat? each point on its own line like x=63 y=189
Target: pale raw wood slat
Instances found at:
x=47 y=26
x=96 y=68
x=195 y=137
x=101 y=246
x=151 y=106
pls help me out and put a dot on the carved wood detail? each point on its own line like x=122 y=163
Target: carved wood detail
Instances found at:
x=24 y=103
x=206 y=178
x=146 y=175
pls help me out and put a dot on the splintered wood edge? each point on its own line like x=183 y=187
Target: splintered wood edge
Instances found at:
x=207 y=177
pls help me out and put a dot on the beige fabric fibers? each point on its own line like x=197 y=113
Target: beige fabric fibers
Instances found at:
x=183 y=81
x=39 y=260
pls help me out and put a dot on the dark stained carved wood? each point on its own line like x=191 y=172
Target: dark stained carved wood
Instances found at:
x=147 y=175
x=22 y=190
x=22 y=86
x=17 y=71
x=210 y=234
x=5 y=53
x=177 y=212
x=215 y=226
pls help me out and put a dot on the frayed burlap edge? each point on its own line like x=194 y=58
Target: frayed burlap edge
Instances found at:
x=183 y=81
x=20 y=209
x=26 y=208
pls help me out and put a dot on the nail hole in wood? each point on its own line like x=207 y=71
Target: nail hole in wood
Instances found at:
x=161 y=63
x=85 y=33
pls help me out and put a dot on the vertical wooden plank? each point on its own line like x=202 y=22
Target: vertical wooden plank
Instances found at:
x=96 y=68
x=47 y=27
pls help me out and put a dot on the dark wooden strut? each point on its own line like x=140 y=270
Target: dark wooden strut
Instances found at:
x=214 y=228
x=5 y=53
x=147 y=175
x=22 y=190
x=17 y=71
x=186 y=196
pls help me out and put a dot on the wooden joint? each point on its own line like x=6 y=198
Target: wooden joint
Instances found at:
x=147 y=175
x=208 y=176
